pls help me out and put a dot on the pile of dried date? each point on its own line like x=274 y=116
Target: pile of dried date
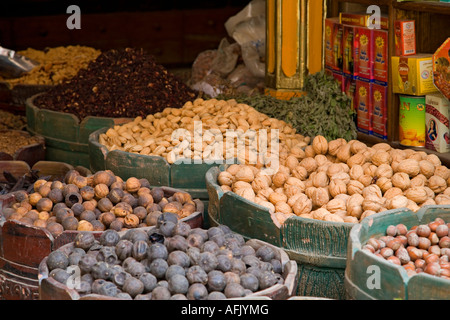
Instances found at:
x=119 y=83
x=170 y=262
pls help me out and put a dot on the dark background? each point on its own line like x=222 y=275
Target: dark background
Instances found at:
x=174 y=31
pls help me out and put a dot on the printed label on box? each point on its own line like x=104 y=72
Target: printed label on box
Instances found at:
x=380 y=67
x=365 y=56
x=379 y=107
x=363 y=106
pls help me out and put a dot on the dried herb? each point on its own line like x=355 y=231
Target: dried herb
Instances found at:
x=119 y=83
x=324 y=110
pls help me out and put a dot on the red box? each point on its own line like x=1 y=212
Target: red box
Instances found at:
x=333 y=43
x=379 y=94
x=381 y=55
x=363 y=100
x=366 y=59
x=405 y=37
x=339 y=76
x=362 y=19
x=350 y=51
x=350 y=90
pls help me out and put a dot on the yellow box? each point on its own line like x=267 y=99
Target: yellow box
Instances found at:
x=413 y=75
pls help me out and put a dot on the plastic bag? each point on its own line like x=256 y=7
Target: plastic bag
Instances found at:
x=202 y=65
x=226 y=58
x=248 y=29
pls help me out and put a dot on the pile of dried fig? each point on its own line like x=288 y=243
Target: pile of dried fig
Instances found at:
x=169 y=262
x=95 y=203
x=342 y=181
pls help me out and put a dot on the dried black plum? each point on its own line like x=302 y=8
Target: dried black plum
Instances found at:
x=157 y=251
x=146 y=296
x=136 y=235
x=109 y=238
x=226 y=229
x=108 y=255
x=155 y=237
x=158 y=268
x=208 y=261
x=265 y=253
x=180 y=258
x=216 y=280
x=267 y=279
x=174 y=269
x=163 y=283
x=266 y=266
x=249 y=281
x=161 y=293
x=210 y=246
x=176 y=242
x=178 y=296
x=157 y=194
x=223 y=263
x=197 y=291
x=84 y=240
x=84 y=288
x=219 y=239
x=195 y=240
x=193 y=254
x=216 y=295
x=167 y=228
x=196 y=274
x=182 y=229
x=95 y=286
x=57 y=259
x=234 y=290
x=247 y=250
x=74 y=258
x=238 y=266
x=165 y=217
x=139 y=250
x=277 y=266
x=200 y=231
x=88 y=278
x=123 y=296
x=136 y=269
x=123 y=249
x=251 y=261
x=108 y=289
x=149 y=281
x=178 y=284
x=232 y=277
x=133 y=286
x=101 y=270
x=119 y=278
x=61 y=275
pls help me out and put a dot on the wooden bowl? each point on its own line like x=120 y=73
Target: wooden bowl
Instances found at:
x=50 y=289
x=31 y=153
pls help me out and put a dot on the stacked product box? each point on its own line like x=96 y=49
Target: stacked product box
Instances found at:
x=437 y=122
x=363 y=73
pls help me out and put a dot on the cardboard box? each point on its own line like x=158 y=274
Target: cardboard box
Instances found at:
x=441 y=68
x=381 y=56
x=350 y=51
x=350 y=90
x=379 y=106
x=329 y=41
x=413 y=75
x=363 y=103
x=405 y=37
x=437 y=122
x=365 y=64
x=362 y=19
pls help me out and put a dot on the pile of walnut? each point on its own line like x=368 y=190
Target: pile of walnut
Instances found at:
x=154 y=135
x=342 y=181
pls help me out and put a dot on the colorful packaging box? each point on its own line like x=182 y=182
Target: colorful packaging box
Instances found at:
x=366 y=59
x=363 y=102
x=412 y=121
x=381 y=56
x=441 y=68
x=413 y=75
x=405 y=37
x=338 y=32
x=437 y=123
x=350 y=89
x=350 y=51
x=379 y=109
x=329 y=41
x=362 y=19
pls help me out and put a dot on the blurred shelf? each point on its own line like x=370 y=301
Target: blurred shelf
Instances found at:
x=423 y=6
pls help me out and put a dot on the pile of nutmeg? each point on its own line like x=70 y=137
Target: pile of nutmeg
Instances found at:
x=422 y=248
x=95 y=203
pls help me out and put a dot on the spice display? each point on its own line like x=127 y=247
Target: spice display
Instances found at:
x=422 y=248
x=209 y=120
x=342 y=181
x=95 y=203
x=9 y=120
x=171 y=262
x=324 y=110
x=13 y=140
x=55 y=64
x=119 y=83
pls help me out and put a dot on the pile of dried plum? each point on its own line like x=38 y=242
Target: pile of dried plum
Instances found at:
x=169 y=262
